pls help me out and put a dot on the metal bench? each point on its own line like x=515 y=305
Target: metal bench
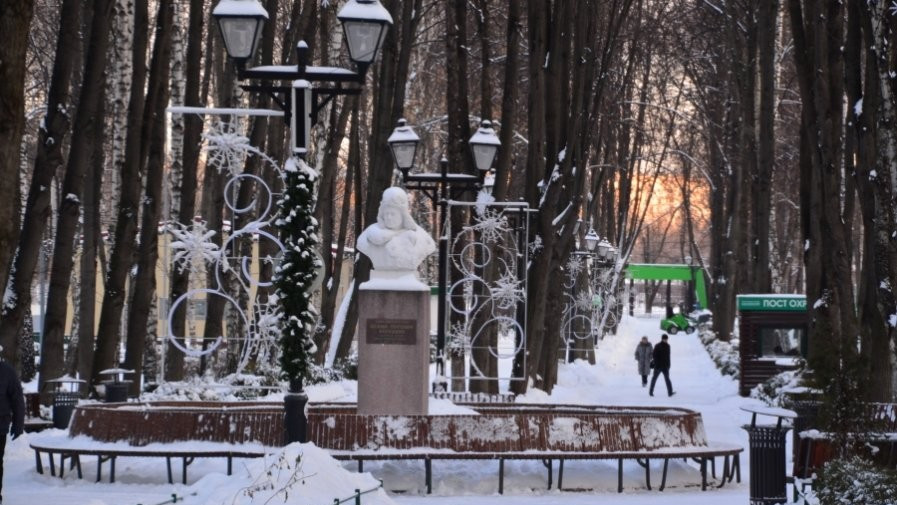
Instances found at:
x=108 y=452
x=701 y=455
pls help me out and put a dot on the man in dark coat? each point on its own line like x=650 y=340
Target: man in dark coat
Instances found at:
x=662 y=365
x=12 y=410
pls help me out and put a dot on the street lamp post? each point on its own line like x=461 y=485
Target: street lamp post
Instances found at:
x=690 y=285
x=364 y=25
x=440 y=188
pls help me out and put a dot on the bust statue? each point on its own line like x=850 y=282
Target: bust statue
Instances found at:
x=395 y=242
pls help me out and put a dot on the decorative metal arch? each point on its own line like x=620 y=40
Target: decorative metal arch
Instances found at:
x=487 y=294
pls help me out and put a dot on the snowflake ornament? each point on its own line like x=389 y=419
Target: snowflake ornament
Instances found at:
x=459 y=338
x=193 y=246
x=507 y=292
x=491 y=225
x=227 y=148
x=574 y=266
x=584 y=301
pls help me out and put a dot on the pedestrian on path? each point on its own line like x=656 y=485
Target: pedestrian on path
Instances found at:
x=643 y=353
x=662 y=365
x=12 y=410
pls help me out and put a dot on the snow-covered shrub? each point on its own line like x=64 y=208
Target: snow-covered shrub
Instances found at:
x=232 y=387
x=341 y=370
x=771 y=391
x=854 y=481
x=724 y=354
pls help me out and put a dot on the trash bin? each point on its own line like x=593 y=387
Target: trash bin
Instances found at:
x=65 y=391
x=117 y=391
x=116 y=388
x=767 y=453
x=63 y=405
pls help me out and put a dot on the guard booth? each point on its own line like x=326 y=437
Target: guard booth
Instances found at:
x=773 y=336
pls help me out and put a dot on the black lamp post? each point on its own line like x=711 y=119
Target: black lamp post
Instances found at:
x=364 y=26
x=690 y=285
x=440 y=188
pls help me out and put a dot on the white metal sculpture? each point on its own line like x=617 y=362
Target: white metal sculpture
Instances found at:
x=228 y=149
x=481 y=304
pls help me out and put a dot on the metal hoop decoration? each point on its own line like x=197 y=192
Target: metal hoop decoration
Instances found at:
x=468 y=252
x=173 y=338
x=474 y=301
x=494 y=352
x=567 y=329
x=245 y=262
x=269 y=196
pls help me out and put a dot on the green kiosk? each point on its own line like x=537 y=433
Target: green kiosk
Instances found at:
x=773 y=336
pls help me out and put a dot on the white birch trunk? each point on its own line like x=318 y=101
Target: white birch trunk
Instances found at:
x=118 y=92
x=172 y=204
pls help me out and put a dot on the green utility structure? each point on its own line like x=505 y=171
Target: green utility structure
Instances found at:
x=772 y=331
x=691 y=274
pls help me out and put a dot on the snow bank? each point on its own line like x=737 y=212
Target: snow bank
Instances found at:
x=299 y=473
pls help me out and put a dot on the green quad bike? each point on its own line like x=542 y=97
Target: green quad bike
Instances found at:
x=673 y=323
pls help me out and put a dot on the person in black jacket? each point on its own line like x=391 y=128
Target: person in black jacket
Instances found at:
x=12 y=410
x=662 y=365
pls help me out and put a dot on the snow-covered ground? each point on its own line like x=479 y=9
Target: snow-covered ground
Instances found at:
x=613 y=381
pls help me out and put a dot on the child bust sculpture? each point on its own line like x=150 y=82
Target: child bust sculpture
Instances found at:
x=395 y=242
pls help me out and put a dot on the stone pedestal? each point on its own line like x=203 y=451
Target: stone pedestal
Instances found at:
x=393 y=349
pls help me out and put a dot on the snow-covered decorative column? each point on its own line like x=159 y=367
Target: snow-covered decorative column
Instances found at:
x=293 y=279
x=394 y=313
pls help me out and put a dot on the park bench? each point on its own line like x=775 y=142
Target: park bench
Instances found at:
x=73 y=449
x=701 y=455
x=527 y=432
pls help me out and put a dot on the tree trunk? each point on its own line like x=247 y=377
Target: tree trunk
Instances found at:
x=155 y=120
x=83 y=361
x=87 y=122
x=818 y=39
x=767 y=20
x=457 y=151
x=49 y=158
x=122 y=257
x=389 y=102
x=15 y=18
x=180 y=279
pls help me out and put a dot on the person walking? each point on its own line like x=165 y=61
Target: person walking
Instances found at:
x=12 y=410
x=643 y=352
x=661 y=358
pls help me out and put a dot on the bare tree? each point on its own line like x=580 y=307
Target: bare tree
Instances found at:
x=15 y=18
x=87 y=122
x=122 y=256
x=51 y=139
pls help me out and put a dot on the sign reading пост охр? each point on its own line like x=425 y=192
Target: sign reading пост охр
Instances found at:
x=772 y=303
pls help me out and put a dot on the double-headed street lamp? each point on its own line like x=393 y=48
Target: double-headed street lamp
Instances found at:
x=441 y=187
x=364 y=25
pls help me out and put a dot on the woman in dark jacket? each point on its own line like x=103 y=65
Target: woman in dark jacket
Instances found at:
x=643 y=353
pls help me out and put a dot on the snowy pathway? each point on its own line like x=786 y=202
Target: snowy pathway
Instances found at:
x=613 y=381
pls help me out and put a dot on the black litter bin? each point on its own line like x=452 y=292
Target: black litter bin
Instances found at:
x=117 y=391
x=63 y=405
x=767 y=453
x=116 y=388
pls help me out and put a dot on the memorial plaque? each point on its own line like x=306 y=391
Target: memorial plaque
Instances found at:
x=391 y=331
